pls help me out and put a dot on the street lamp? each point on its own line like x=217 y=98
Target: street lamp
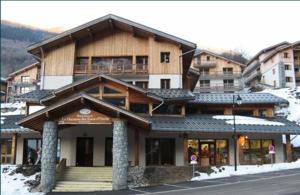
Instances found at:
x=237 y=101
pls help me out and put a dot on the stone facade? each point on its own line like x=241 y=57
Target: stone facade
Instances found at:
x=49 y=152
x=120 y=155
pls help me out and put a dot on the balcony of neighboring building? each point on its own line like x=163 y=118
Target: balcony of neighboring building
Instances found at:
x=112 y=66
x=205 y=64
x=251 y=76
x=228 y=85
x=220 y=74
x=24 y=81
x=254 y=65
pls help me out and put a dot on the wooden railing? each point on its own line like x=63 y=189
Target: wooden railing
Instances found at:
x=221 y=73
x=210 y=63
x=111 y=69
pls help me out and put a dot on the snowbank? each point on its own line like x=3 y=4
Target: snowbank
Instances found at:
x=14 y=184
x=227 y=171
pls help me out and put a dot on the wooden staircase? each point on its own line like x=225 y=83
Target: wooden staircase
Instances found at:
x=84 y=179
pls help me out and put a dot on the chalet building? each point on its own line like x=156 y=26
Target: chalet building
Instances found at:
x=116 y=95
x=22 y=81
x=276 y=66
x=217 y=73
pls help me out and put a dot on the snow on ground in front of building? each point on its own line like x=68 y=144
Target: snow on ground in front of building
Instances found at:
x=245 y=170
x=14 y=184
x=246 y=120
x=292 y=112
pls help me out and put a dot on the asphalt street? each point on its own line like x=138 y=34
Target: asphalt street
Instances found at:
x=273 y=183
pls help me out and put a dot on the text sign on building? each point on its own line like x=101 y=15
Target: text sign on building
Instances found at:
x=85 y=116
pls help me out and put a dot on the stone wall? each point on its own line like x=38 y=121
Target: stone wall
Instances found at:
x=154 y=175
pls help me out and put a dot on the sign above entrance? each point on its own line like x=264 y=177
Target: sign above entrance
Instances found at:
x=85 y=116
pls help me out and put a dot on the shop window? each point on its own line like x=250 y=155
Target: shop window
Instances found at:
x=164 y=57
x=222 y=153
x=32 y=149
x=142 y=84
x=165 y=83
x=167 y=109
x=160 y=151
x=139 y=108
x=6 y=151
x=193 y=148
x=255 y=151
x=116 y=101
x=228 y=83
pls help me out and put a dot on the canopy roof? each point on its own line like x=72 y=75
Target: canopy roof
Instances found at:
x=36 y=120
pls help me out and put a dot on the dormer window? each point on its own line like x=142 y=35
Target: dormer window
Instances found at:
x=164 y=57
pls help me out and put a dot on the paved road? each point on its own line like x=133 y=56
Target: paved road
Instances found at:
x=274 y=183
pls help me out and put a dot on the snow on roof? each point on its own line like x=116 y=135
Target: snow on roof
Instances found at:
x=246 y=120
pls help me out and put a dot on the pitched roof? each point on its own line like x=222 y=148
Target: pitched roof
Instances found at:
x=107 y=20
x=209 y=124
x=266 y=50
x=77 y=101
x=280 y=49
x=172 y=94
x=35 y=96
x=247 y=98
x=8 y=124
x=199 y=52
x=24 y=69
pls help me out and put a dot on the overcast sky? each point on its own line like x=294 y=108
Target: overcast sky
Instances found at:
x=250 y=26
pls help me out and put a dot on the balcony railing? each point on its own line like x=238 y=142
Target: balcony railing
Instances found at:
x=286 y=60
x=205 y=64
x=220 y=74
x=253 y=75
x=114 y=69
x=20 y=82
x=219 y=87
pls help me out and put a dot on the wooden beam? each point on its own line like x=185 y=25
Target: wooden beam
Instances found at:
x=14 y=147
x=136 y=147
x=288 y=148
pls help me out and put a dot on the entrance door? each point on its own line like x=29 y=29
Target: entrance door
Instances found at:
x=108 y=151
x=207 y=154
x=84 y=152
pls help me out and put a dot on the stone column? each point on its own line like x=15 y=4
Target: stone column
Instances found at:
x=49 y=151
x=120 y=155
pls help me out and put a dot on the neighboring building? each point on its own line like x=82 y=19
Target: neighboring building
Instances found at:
x=276 y=66
x=3 y=90
x=217 y=73
x=104 y=120
x=23 y=81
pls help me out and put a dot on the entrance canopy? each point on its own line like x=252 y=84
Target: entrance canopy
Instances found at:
x=95 y=110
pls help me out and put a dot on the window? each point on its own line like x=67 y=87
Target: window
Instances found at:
x=160 y=151
x=165 y=83
x=287 y=67
x=25 y=79
x=142 y=84
x=31 y=150
x=164 y=57
x=116 y=101
x=207 y=58
x=228 y=83
x=139 y=108
x=6 y=151
x=286 y=55
x=288 y=79
x=167 y=109
x=204 y=71
x=118 y=64
x=108 y=90
x=227 y=70
x=273 y=71
x=142 y=60
x=24 y=90
x=93 y=90
x=81 y=64
x=204 y=83
x=254 y=151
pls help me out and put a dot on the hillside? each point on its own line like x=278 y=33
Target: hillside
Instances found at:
x=14 y=40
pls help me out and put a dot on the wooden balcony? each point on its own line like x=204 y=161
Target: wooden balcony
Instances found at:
x=219 y=87
x=112 y=69
x=205 y=64
x=220 y=74
x=24 y=83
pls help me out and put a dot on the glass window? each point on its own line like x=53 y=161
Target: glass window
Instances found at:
x=116 y=101
x=165 y=83
x=25 y=79
x=204 y=83
x=24 y=90
x=193 y=148
x=160 y=151
x=164 y=57
x=167 y=109
x=6 y=151
x=142 y=60
x=108 y=90
x=142 y=84
x=222 y=154
x=139 y=108
x=227 y=70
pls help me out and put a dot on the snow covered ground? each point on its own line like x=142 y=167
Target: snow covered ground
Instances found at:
x=227 y=171
x=292 y=112
x=14 y=184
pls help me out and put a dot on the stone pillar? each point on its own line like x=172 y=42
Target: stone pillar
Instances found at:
x=49 y=151
x=288 y=148
x=120 y=155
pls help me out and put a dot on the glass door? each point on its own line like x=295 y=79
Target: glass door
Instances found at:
x=207 y=154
